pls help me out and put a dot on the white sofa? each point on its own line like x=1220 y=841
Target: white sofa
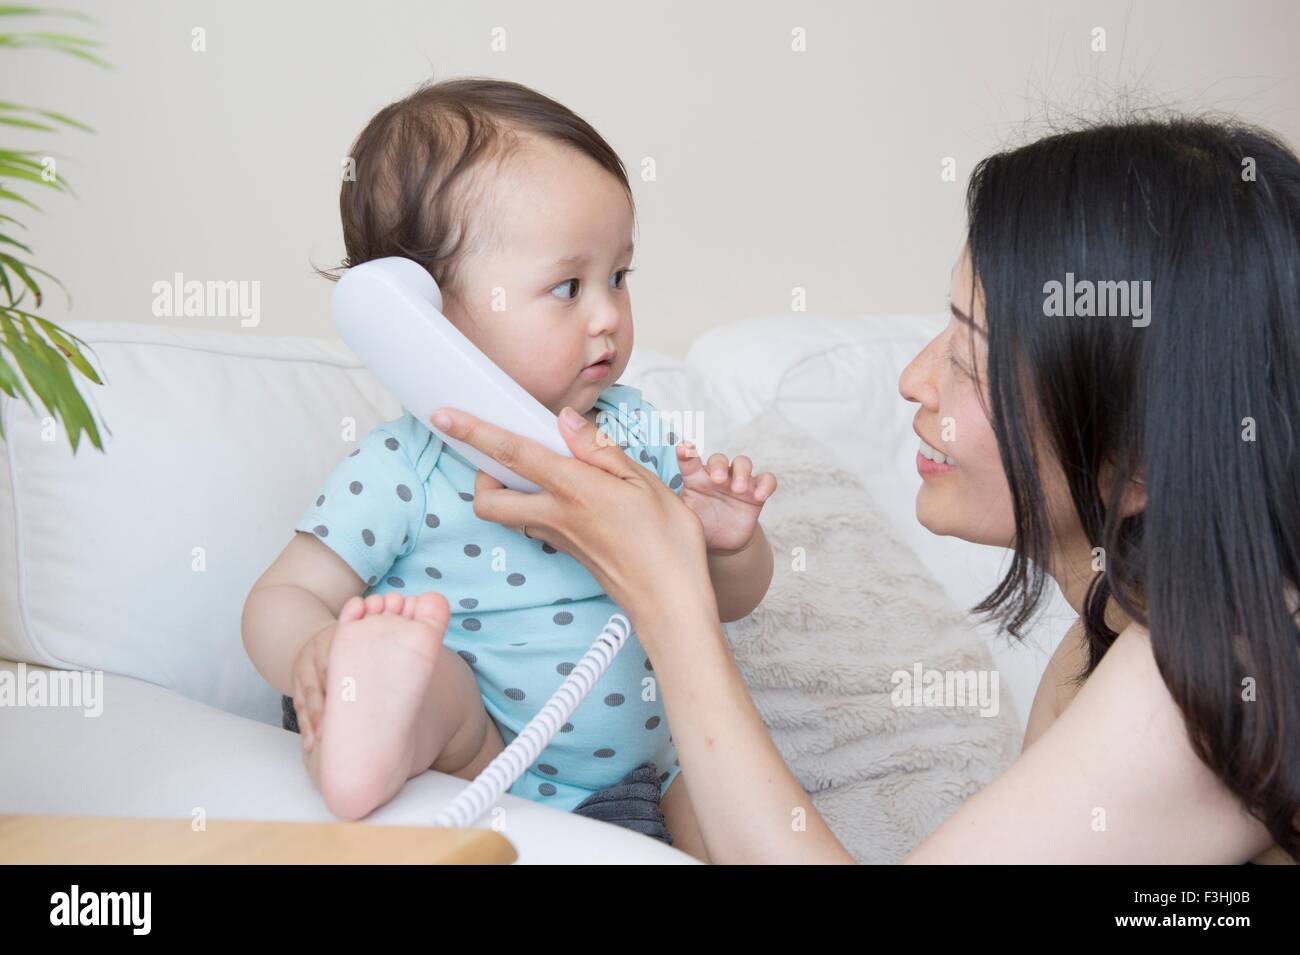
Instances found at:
x=136 y=562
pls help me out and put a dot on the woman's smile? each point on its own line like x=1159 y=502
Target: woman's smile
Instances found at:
x=931 y=462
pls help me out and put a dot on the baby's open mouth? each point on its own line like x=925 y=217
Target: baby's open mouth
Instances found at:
x=598 y=370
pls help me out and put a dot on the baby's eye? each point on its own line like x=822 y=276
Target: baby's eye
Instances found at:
x=571 y=295
x=619 y=277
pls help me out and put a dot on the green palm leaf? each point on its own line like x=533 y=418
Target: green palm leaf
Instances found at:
x=37 y=357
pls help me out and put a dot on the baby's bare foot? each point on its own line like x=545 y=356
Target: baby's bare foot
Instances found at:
x=380 y=667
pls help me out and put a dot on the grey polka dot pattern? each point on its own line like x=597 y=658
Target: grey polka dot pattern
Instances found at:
x=672 y=438
x=647 y=664
x=512 y=625
x=676 y=482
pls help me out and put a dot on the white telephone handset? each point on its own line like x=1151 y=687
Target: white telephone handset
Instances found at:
x=389 y=311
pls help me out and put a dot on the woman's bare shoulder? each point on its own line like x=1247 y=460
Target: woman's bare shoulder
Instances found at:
x=1113 y=778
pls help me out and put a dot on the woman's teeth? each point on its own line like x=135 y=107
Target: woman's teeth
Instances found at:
x=936 y=456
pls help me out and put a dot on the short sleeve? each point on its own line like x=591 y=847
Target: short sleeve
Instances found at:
x=663 y=449
x=644 y=433
x=368 y=509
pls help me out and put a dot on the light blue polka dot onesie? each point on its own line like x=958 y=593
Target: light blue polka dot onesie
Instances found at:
x=399 y=511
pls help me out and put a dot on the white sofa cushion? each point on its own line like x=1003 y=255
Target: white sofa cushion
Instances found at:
x=152 y=752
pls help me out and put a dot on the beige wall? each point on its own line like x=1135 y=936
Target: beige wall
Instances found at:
x=775 y=169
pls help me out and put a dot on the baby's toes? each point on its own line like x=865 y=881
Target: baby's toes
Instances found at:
x=393 y=602
x=353 y=609
x=375 y=604
x=430 y=608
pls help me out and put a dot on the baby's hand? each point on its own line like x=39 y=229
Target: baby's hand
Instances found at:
x=309 y=669
x=725 y=497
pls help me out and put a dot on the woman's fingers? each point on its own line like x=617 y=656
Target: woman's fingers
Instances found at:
x=591 y=445
x=522 y=455
x=493 y=501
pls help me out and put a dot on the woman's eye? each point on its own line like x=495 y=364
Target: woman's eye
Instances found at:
x=565 y=285
x=954 y=361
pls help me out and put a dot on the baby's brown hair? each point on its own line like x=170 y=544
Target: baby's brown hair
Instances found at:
x=414 y=163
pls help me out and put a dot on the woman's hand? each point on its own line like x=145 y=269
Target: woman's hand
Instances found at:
x=647 y=550
x=725 y=496
x=634 y=535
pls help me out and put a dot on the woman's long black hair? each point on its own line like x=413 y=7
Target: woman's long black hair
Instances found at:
x=1198 y=400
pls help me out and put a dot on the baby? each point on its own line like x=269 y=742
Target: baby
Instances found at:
x=410 y=633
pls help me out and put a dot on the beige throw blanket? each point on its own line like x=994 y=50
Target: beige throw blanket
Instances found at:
x=850 y=608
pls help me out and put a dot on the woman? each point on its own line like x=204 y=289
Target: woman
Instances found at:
x=1117 y=399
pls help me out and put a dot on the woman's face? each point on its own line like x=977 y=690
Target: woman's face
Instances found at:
x=964 y=490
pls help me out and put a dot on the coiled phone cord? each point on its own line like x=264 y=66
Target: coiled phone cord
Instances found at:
x=487 y=787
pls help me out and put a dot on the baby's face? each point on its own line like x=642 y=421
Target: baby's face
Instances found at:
x=547 y=295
